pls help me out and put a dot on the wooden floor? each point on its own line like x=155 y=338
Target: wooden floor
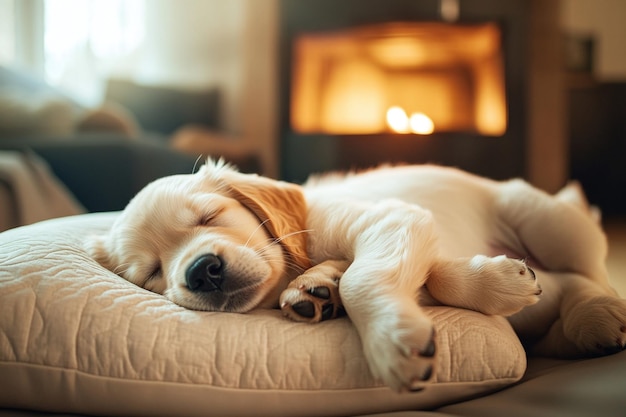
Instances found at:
x=616 y=263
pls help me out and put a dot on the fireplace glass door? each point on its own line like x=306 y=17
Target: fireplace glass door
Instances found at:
x=399 y=78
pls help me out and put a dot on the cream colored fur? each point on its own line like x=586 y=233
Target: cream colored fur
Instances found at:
x=380 y=244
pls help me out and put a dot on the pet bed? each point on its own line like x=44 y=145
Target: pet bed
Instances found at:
x=76 y=338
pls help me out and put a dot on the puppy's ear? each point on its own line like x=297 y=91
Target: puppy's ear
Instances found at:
x=282 y=208
x=96 y=248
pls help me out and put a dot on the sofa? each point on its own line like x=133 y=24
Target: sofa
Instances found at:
x=101 y=156
x=103 y=171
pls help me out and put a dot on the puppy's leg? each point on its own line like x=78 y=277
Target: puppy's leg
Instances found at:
x=589 y=321
x=498 y=285
x=314 y=295
x=558 y=235
x=571 y=247
x=395 y=246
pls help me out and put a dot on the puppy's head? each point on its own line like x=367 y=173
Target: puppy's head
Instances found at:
x=217 y=240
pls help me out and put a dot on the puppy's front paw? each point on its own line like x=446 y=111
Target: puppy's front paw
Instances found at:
x=508 y=284
x=400 y=348
x=314 y=295
x=597 y=326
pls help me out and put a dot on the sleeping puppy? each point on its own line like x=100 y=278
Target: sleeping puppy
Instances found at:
x=380 y=245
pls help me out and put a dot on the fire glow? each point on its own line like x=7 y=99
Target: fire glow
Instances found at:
x=417 y=123
x=443 y=78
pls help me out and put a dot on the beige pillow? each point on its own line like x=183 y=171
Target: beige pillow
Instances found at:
x=77 y=338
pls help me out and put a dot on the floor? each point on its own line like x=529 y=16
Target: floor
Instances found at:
x=616 y=263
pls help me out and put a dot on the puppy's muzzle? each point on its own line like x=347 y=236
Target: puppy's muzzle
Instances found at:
x=205 y=274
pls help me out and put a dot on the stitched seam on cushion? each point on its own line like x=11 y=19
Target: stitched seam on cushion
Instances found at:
x=117 y=378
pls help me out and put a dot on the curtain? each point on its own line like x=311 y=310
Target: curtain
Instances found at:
x=85 y=41
x=74 y=45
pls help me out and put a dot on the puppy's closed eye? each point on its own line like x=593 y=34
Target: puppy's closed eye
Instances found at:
x=155 y=272
x=154 y=279
x=207 y=218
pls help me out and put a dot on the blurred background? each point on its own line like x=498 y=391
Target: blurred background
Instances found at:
x=113 y=93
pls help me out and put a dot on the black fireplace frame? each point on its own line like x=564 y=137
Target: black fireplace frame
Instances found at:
x=497 y=157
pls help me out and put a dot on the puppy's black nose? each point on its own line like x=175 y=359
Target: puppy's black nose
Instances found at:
x=205 y=274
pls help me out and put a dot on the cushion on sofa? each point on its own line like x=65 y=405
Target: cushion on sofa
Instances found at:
x=164 y=109
x=76 y=338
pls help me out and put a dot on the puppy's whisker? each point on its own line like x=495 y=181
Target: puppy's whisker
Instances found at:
x=121 y=273
x=273 y=258
x=296 y=269
x=281 y=238
x=262 y=250
x=195 y=164
x=288 y=265
x=121 y=268
x=271 y=243
x=254 y=231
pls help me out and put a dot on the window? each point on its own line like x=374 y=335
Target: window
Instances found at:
x=74 y=44
x=85 y=41
x=7 y=32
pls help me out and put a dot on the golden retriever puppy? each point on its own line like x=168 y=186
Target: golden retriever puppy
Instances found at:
x=379 y=245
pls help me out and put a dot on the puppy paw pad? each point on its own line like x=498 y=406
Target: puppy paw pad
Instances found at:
x=609 y=350
x=304 y=309
x=320 y=292
x=430 y=349
x=311 y=304
x=428 y=373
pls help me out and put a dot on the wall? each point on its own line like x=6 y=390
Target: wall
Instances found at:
x=603 y=19
x=194 y=44
x=229 y=44
x=259 y=93
x=597 y=104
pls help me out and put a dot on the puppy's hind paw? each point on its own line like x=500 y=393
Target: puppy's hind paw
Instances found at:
x=510 y=285
x=597 y=326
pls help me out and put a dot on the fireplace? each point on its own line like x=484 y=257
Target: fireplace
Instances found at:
x=399 y=77
x=365 y=82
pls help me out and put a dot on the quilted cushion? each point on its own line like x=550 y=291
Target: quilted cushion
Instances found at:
x=77 y=338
